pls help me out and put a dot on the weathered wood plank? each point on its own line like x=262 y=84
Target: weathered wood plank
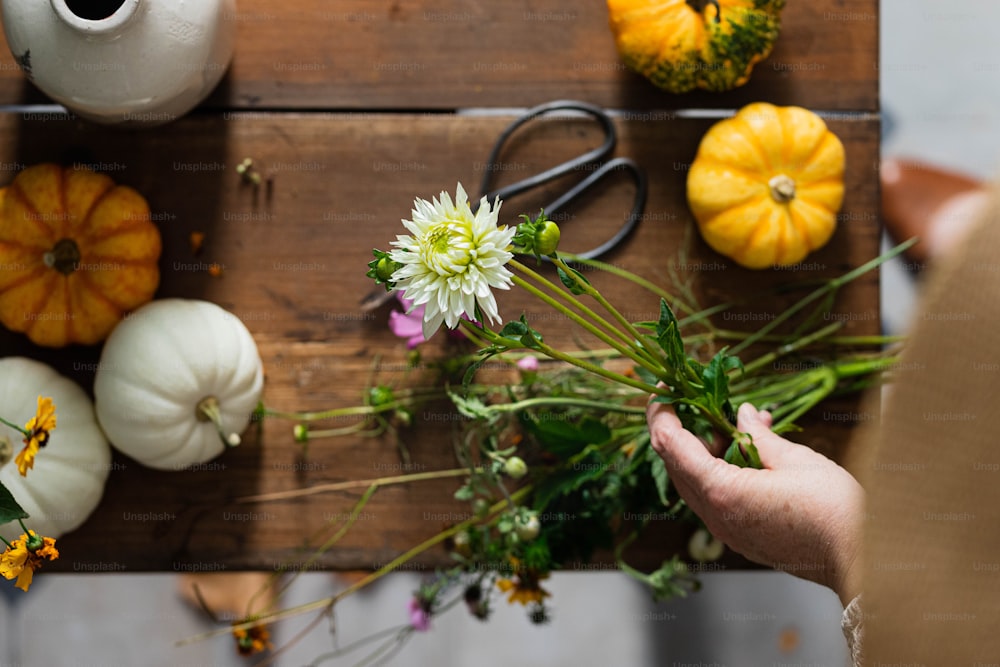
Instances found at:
x=357 y=54
x=294 y=263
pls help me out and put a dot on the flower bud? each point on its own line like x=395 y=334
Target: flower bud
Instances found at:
x=301 y=433
x=515 y=467
x=547 y=238
x=462 y=544
x=704 y=547
x=480 y=507
x=381 y=395
x=384 y=269
x=528 y=527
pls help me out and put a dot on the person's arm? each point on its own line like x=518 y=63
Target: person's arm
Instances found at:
x=801 y=514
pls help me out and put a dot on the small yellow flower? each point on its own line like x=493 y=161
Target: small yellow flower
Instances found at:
x=36 y=436
x=25 y=555
x=250 y=641
x=525 y=586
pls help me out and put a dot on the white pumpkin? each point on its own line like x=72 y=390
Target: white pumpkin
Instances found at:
x=162 y=366
x=67 y=480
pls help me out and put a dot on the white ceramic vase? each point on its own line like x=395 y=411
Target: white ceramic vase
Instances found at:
x=135 y=62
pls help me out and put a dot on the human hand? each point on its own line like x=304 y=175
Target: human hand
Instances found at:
x=801 y=514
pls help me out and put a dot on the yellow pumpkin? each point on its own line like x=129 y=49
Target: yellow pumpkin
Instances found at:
x=76 y=251
x=681 y=45
x=766 y=185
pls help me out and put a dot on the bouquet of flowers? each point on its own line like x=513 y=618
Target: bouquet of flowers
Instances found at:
x=555 y=459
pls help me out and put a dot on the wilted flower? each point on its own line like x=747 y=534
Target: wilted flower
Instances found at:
x=25 y=555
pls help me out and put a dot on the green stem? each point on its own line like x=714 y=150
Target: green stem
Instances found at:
x=622 y=349
x=326 y=546
x=626 y=338
x=828 y=288
x=356 y=644
x=864 y=366
x=627 y=275
x=594 y=293
x=566 y=401
x=359 y=429
x=727 y=334
x=788 y=348
x=553 y=353
x=359 y=410
x=327 y=603
x=827 y=383
x=358 y=484
x=17 y=428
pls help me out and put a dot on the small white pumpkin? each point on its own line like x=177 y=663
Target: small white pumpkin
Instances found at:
x=178 y=380
x=67 y=480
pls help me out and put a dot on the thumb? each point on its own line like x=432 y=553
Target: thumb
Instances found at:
x=770 y=445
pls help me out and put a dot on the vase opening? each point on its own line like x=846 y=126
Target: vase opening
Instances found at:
x=94 y=10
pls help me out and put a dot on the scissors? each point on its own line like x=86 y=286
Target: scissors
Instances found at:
x=592 y=162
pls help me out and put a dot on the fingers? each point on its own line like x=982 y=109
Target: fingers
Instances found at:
x=689 y=464
x=770 y=446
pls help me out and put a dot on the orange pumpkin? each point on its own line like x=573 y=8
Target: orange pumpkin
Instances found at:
x=77 y=252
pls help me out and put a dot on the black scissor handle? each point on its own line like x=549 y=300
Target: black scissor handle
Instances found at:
x=631 y=220
x=591 y=156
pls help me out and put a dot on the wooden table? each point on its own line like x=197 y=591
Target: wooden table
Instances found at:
x=355 y=108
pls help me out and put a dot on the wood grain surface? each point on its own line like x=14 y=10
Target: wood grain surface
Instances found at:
x=346 y=144
x=451 y=54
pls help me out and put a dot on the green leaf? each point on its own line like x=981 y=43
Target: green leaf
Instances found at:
x=514 y=329
x=667 y=319
x=668 y=336
x=645 y=375
x=464 y=493
x=743 y=453
x=9 y=509
x=716 y=379
x=470 y=372
x=522 y=333
x=567 y=481
x=472 y=407
x=660 y=477
x=574 y=281
x=561 y=436
x=693 y=419
x=671 y=580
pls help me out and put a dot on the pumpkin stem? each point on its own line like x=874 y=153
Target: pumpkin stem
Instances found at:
x=207 y=410
x=699 y=6
x=782 y=188
x=64 y=256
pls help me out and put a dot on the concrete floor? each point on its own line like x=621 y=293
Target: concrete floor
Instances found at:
x=940 y=70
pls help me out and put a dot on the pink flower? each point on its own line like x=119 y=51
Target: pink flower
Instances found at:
x=420 y=619
x=528 y=364
x=407 y=323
